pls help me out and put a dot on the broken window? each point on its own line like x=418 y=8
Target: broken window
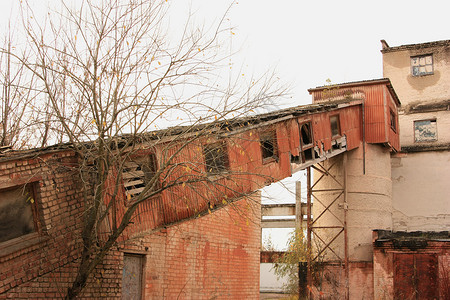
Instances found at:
x=422 y=65
x=306 y=135
x=216 y=158
x=137 y=173
x=335 y=128
x=393 y=121
x=17 y=212
x=425 y=131
x=268 y=143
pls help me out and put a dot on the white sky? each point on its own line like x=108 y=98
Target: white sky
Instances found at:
x=311 y=41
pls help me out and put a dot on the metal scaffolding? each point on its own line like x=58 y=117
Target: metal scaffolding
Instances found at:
x=322 y=210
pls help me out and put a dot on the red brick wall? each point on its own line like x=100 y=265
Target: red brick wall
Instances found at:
x=331 y=283
x=214 y=256
x=401 y=271
x=25 y=264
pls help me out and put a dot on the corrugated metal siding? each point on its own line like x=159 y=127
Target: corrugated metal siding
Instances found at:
x=377 y=102
x=375 y=129
x=248 y=172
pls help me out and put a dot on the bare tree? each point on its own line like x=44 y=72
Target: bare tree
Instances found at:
x=111 y=77
x=17 y=118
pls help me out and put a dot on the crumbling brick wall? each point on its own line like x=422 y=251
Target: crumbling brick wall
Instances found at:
x=27 y=261
x=216 y=255
x=212 y=257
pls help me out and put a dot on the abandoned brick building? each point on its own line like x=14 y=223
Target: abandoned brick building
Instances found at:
x=353 y=131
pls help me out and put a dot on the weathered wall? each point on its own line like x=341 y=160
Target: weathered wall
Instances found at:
x=368 y=198
x=212 y=257
x=420 y=174
x=415 y=266
x=369 y=207
x=410 y=89
x=421 y=191
x=407 y=128
x=216 y=255
x=43 y=264
x=54 y=245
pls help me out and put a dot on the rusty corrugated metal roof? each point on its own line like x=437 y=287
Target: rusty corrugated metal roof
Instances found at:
x=385 y=81
x=222 y=125
x=442 y=43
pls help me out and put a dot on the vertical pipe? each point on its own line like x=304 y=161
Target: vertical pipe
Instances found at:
x=309 y=231
x=298 y=205
x=302 y=265
x=346 y=262
x=364 y=135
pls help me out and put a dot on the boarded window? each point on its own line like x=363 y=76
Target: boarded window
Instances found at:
x=137 y=173
x=216 y=158
x=425 y=131
x=268 y=143
x=132 y=276
x=17 y=213
x=335 y=128
x=422 y=65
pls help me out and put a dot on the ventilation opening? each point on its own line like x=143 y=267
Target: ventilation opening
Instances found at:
x=268 y=144
x=216 y=158
x=137 y=174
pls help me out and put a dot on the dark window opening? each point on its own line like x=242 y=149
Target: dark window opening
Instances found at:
x=137 y=173
x=393 y=121
x=18 y=212
x=268 y=143
x=422 y=65
x=296 y=159
x=335 y=146
x=216 y=158
x=308 y=154
x=335 y=128
x=306 y=135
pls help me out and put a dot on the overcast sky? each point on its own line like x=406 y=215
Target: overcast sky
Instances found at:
x=311 y=41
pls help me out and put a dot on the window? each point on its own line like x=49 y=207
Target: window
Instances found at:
x=422 y=65
x=268 y=143
x=335 y=128
x=18 y=212
x=216 y=158
x=137 y=173
x=393 y=121
x=425 y=131
x=306 y=135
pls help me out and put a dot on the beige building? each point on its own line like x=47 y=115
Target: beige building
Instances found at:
x=420 y=75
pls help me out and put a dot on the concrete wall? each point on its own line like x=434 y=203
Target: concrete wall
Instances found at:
x=269 y=281
x=442 y=125
x=368 y=197
x=410 y=89
x=421 y=191
x=420 y=174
